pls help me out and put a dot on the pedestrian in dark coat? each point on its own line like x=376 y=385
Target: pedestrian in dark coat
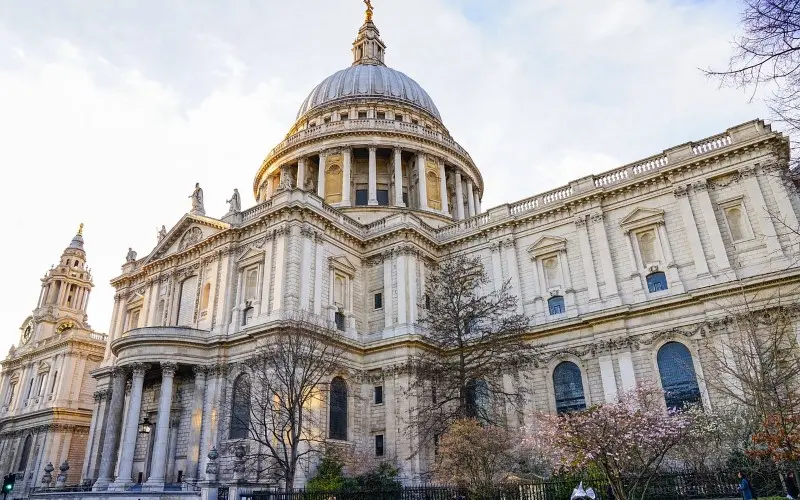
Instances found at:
x=791 y=486
x=745 y=488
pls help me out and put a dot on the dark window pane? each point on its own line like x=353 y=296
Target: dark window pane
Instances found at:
x=383 y=197
x=378 y=394
x=405 y=199
x=678 y=378
x=379 y=445
x=339 y=319
x=556 y=305
x=240 y=416
x=568 y=388
x=362 y=196
x=656 y=282
x=338 y=409
x=378 y=300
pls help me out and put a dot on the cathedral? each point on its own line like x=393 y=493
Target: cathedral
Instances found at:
x=622 y=274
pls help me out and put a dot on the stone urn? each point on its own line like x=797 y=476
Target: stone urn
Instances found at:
x=47 y=478
x=61 y=480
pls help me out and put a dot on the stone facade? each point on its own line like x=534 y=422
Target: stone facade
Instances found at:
x=365 y=193
x=46 y=392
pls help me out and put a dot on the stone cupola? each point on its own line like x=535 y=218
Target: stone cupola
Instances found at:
x=368 y=48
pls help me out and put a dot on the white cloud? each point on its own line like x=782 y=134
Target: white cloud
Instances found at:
x=110 y=114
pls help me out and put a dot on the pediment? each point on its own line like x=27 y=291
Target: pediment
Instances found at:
x=189 y=231
x=343 y=264
x=547 y=244
x=641 y=217
x=250 y=253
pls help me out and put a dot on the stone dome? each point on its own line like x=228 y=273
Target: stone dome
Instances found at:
x=370 y=81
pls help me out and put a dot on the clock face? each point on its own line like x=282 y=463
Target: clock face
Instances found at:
x=27 y=332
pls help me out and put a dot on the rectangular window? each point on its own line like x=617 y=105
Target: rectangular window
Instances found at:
x=379 y=445
x=344 y=115
x=383 y=197
x=41 y=386
x=362 y=114
x=435 y=444
x=405 y=198
x=433 y=394
x=362 y=196
x=378 y=301
x=378 y=394
x=30 y=389
x=53 y=386
x=338 y=317
x=398 y=117
x=381 y=115
x=11 y=390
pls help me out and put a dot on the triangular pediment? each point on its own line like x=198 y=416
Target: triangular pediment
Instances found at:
x=642 y=217
x=189 y=231
x=250 y=254
x=342 y=263
x=547 y=244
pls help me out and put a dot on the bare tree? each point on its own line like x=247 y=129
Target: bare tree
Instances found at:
x=476 y=336
x=276 y=410
x=767 y=53
x=756 y=367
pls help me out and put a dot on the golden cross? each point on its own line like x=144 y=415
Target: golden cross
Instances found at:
x=369 y=9
x=80 y=229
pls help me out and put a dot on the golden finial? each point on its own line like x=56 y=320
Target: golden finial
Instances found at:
x=369 y=10
x=80 y=229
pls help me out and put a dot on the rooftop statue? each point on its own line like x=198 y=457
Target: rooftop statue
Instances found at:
x=197 y=200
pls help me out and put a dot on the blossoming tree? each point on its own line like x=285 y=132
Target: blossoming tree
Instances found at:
x=626 y=440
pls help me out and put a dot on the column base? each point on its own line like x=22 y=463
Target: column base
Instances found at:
x=101 y=484
x=120 y=485
x=399 y=204
x=150 y=485
x=372 y=203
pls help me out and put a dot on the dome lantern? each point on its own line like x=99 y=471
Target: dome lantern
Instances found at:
x=368 y=48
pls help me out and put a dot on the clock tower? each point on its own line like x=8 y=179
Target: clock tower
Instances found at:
x=46 y=393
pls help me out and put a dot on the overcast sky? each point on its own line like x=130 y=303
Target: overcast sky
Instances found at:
x=110 y=111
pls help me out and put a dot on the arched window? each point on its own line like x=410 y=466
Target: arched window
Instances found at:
x=647 y=247
x=556 y=305
x=338 y=410
x=240 y=414
x=26 y=451
x=568 y=388
x=678 y=378
x=656 y=282
x=251 y=284
x=478 y=400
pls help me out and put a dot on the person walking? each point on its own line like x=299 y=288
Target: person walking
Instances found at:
x=745 y=488
x=792 y=491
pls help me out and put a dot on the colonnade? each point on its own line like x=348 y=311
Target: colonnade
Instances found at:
x=466 y=198
x=123 y=422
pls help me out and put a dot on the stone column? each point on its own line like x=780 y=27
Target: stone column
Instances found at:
x=321 y=176
x=470 y=198
x=195 y=423
x=398 y=177
x=301 y=173
x=280 y=267
x=158 y=468
x=346 y=157
x=672 y=268
x=636 y=278
x=690 y=224
x=423 y=188
x=478 y=210
x=266 y=276
x=112 y=432
x=171 y=449
x=443 y=188
x=459 y=197
x=497 y=265
x=700 y=189
x=609 y=276
x=411 y=262
x=760 y=206
x=307 y=239
x=608 y=379
x=373 y=177
x=586 y=256
x=781 y=187
x=131 y=429
x=387 y=291
x=627 y=374
x=318 y=265
x=510 y=251
x=402 y=296
x=97 y=416
x=209 y=418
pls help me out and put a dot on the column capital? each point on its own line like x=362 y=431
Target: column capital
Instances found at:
x=701 y=185
x=580 y=221
x=372 y=148
x=596 y=217
x=747 y=172
x=200 y=371
x=681 y=192
x=138 y=369
x=168 y=368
